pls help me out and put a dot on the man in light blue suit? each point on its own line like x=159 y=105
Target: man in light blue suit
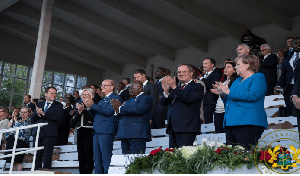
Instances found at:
x=134 y=120
x=105 y=126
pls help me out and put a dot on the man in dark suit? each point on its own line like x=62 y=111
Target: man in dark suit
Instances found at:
x=27 y=102
x=77 y=97
x=149 y=89
x=161 y=110
x=289 y=52
x=295 y=95
x=105 y=126
x=268 y=66
x=122 y=91
x=51 y=112
x=134 y=116
x=286 y=82
x=184 y=110
x=64 y=128
x=210 y=99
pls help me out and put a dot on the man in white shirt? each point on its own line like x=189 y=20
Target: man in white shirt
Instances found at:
x=268 y=66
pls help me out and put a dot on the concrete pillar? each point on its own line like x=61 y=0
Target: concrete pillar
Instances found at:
x=41 y=49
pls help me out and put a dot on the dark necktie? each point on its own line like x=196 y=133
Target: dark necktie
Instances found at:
x=296 y=59
x=290 y=50
x=47 y=106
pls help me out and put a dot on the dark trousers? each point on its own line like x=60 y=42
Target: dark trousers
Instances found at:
x=85 y=150
x=133 y=146
x=244 y=135
x=218 y=122
x=45 y=155
x=179 y=139
x=270 y=88
x=103 y=146
x=287 y=95
x=62 y=138
x=209 y=110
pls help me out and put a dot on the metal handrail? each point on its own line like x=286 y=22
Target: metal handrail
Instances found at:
x=22 y=150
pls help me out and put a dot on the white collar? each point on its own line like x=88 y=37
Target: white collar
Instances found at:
x=208 y=73
x=144 y=83
x=49 y=102
x=139 y=94
x=160 y=80
x=266 y=55
x=187 y=82
x=122 y=91
x=106 y=96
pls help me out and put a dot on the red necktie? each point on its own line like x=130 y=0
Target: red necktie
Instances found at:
x=182 y=86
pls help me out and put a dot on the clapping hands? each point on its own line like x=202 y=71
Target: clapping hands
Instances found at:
x=220 y=89
x=168 y=82
x=39 y=111
x=115 y=104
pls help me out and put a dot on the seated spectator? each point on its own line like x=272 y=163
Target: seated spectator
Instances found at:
x=23 y=138
x=245 y=117
x=231 y=75
x=4 y=113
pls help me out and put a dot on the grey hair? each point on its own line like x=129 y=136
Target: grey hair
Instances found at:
x=245 y=45
x=26 y=107
x=266 y=46
x=90 y=91
x=190 y=68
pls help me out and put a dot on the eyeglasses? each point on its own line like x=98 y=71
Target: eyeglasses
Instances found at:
x=23 y=112
x=263 y=50
x=84 y=95
x=182 y=72
x=105 y=85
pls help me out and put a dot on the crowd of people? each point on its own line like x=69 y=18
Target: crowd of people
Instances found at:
x=231 y=97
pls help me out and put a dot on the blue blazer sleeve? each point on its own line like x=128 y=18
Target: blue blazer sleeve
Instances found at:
x=106 y=108
x=256 y=90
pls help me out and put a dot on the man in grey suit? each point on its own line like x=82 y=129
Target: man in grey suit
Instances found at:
x=149 y=89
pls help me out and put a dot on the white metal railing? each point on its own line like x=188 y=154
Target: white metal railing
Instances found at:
x=22 y=150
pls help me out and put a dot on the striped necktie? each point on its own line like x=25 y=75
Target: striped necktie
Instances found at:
x=296 y=59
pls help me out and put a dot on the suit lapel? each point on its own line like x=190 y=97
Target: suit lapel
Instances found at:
x=51 y=107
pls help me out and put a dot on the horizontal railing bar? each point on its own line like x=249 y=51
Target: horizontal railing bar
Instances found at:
x=22 y=127
x=18 y=153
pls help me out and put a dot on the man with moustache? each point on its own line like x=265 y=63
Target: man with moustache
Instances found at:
x=184 y=110
x=210 y=99
x=105 y=126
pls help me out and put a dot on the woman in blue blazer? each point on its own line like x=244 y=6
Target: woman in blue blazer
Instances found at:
x=245 y=117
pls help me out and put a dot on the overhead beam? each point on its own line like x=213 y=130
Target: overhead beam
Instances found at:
x=19 y=27
x=205 y=15
x=67 y=29
x=4 y=4
x=272 y=15
x=159 y=23
x=109 y=26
